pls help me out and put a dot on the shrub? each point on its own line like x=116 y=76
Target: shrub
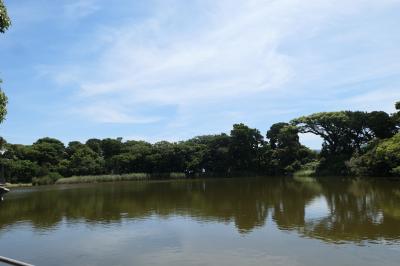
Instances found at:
x=49 y=179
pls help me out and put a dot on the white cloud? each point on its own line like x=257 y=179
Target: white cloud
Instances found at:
x=380 y=99
x=80 y=8
x=108 y=113
x=229 y=50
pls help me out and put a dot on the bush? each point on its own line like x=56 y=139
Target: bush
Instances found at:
x=307 y=170
x=381 y=158
x=49 y=179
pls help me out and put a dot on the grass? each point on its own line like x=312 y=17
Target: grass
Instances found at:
x=9 y=185
x=307 y=170
x=304 y=173
x=116 y=178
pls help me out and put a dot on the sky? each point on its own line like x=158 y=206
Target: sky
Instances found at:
x=174 y=69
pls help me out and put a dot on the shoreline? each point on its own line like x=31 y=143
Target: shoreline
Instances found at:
x=175 y=176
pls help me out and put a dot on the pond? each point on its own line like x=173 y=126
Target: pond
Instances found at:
x=243 y=221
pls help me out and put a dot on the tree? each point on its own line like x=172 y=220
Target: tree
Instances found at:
x=84 y=161
x=344 y=133
x=244 y=147
x=132 y=158
x=21 y=171
x=5 y=23
x=286 y=154
x=164 y=158
x=3 y=105
x=396 y=116
x=283 y=135
x=49 y=152
x=111 y=147
x=215 y=153
x=379 y=158
x=332 y=127
x=73 y=146
x=95 y=145
x=381 y=124
x=335 y=130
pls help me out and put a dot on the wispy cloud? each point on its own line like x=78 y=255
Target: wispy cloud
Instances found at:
x=218 y=59
x=108 y=113
x=80 y=8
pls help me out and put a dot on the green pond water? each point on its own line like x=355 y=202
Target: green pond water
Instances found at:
x=247 y=221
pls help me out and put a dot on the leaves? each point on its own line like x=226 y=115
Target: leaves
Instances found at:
x=5 y=21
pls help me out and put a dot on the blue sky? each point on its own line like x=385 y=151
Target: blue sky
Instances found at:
x=160 y=69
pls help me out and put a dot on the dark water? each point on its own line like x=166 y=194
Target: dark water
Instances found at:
x=250 y=221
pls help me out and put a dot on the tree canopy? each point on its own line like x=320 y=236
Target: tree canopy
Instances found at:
x=345 y=133
x=242 y=152
x=354 y=143
x=5 y=23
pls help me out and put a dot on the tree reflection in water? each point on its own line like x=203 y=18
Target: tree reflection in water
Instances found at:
x=356 y=210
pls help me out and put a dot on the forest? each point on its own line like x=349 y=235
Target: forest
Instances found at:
x=355 y=143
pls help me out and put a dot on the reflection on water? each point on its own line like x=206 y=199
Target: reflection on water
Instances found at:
x=334 y=212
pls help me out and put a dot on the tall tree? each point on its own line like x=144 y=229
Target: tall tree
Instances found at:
x=49 y=152
x=286 y=153
x=346 y=131
x=396 y=116
x=5 y=23
x=244 y=147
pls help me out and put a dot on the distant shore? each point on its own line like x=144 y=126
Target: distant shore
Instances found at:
x=308 y=174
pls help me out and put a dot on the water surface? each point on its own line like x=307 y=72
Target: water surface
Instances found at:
x=263 y=221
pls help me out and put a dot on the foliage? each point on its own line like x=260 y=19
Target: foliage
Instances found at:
x=357 y=143
x=307 y=170
x=242 y=152
x=380 y=158
x=84 y=161
x=5 y=23
x=344 y=133
x=245 y=144
x=48 y=179
x=20 y=171
x=3 y=105
x=286 y=154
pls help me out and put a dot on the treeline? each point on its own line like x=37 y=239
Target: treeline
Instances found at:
x=243 y=152
x=354 y=143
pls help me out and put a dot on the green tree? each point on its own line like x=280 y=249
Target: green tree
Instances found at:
x=132 y=158
x=286 y=154
x=215 y=153
x=84 y=161
x=283 y=135
x=95 y=145
x=3 y=104
x=396 y=116
x=379 y=158
x=381 y=124
x=344 y=133
x=73 y=146
x=111 y=147
x=5 y=23
x=49 y=152
x=21 y=171
x=164 y=158
x=244 y=148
